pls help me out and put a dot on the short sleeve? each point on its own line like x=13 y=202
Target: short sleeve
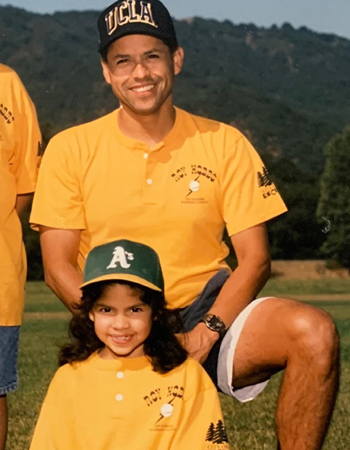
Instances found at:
x=55 y=428
x=248 y=195
x=201 y=422
x=58 y=198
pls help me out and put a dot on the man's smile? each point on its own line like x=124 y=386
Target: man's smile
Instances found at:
x=145 y=88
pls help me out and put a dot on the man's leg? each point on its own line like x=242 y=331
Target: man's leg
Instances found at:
x=3 y=421
x=284 y=334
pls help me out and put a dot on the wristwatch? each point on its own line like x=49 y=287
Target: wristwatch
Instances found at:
x=214 y=323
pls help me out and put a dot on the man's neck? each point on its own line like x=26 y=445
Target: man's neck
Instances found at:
x=150 y=129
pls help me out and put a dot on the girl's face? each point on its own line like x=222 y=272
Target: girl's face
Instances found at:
x=122 y=322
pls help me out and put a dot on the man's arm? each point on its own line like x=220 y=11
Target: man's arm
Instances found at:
x=22 y=200
x=250 y=276
x=59 y=250
x=245 y=282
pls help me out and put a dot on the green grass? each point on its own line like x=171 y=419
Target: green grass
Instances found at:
x=277 y=286
x=250 y=426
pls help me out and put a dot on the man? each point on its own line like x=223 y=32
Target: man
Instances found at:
x=154 y=173
x=19 y=157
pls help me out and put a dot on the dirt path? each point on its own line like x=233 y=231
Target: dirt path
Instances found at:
x=320 y=297
x=309 y=297
x=47 y=315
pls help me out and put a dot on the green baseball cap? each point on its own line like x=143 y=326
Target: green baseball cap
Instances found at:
x=124 y=260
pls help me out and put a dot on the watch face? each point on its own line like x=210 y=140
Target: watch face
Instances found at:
x=215 y=323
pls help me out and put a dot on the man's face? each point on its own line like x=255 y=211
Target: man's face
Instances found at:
x=141 y=70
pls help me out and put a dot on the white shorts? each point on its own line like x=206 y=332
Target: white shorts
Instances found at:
x=227 y=355
x=220 y=360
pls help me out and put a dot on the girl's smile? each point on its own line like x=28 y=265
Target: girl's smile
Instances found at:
x=122 y=322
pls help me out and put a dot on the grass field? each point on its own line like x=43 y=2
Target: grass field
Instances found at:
x=250 y=426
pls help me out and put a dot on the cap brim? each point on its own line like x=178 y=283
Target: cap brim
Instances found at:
x=122 y=277
x=167 y=40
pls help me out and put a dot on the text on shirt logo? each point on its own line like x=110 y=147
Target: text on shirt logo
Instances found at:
x=195 y=175
x=155 y=395
x=196 y=169
x=6 y=113
x=265 y=183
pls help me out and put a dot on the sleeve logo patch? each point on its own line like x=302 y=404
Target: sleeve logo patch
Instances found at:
x=265 y=183
x=216 y=436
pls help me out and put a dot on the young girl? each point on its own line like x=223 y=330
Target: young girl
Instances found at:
x=125 y=383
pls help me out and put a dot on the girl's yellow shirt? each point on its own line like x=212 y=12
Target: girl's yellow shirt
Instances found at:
x=123 y=404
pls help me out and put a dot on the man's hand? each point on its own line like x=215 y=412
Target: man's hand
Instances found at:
x=252 y=252
x=199 y=341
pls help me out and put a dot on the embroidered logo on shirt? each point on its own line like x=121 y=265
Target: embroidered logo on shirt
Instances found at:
x=165 y=403
x=166 y=410
x=120 y=256
x=216 y=436
x=265 y=183
x=194 y=176
x=6 y=113
x=194 y=186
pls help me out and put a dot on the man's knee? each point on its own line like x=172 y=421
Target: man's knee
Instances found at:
x=282 y=332
x=313 y=334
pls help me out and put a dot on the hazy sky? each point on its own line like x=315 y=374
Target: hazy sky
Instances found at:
x=319 y=15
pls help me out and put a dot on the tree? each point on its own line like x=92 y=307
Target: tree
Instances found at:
x=296 y=234
x=334 y=202
x=210 y=433
x=220 y=435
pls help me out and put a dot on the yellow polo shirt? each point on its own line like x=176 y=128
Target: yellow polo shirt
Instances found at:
x=19 y=144
x=176 y=197
x=123 y=404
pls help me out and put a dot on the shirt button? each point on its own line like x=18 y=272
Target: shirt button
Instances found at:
x=145 y=155
x=120 y=375
x=149 y=181
x=119 y=397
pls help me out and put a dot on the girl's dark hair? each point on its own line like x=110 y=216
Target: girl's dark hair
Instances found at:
x=162 y=348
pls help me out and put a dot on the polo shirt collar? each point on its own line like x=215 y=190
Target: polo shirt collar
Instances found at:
x=133 y=144
x=121 y=363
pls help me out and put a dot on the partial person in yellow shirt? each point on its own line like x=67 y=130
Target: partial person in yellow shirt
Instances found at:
x=125 y=382
x=20 y=143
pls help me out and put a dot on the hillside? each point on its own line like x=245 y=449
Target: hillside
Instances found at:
x=286 y=89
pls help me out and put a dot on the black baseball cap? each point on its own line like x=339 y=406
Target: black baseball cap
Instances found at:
x=126 y=17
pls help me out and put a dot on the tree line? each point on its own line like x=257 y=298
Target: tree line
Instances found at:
x=286 y=89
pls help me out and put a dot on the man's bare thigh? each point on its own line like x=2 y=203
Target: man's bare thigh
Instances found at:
x=266 y=338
